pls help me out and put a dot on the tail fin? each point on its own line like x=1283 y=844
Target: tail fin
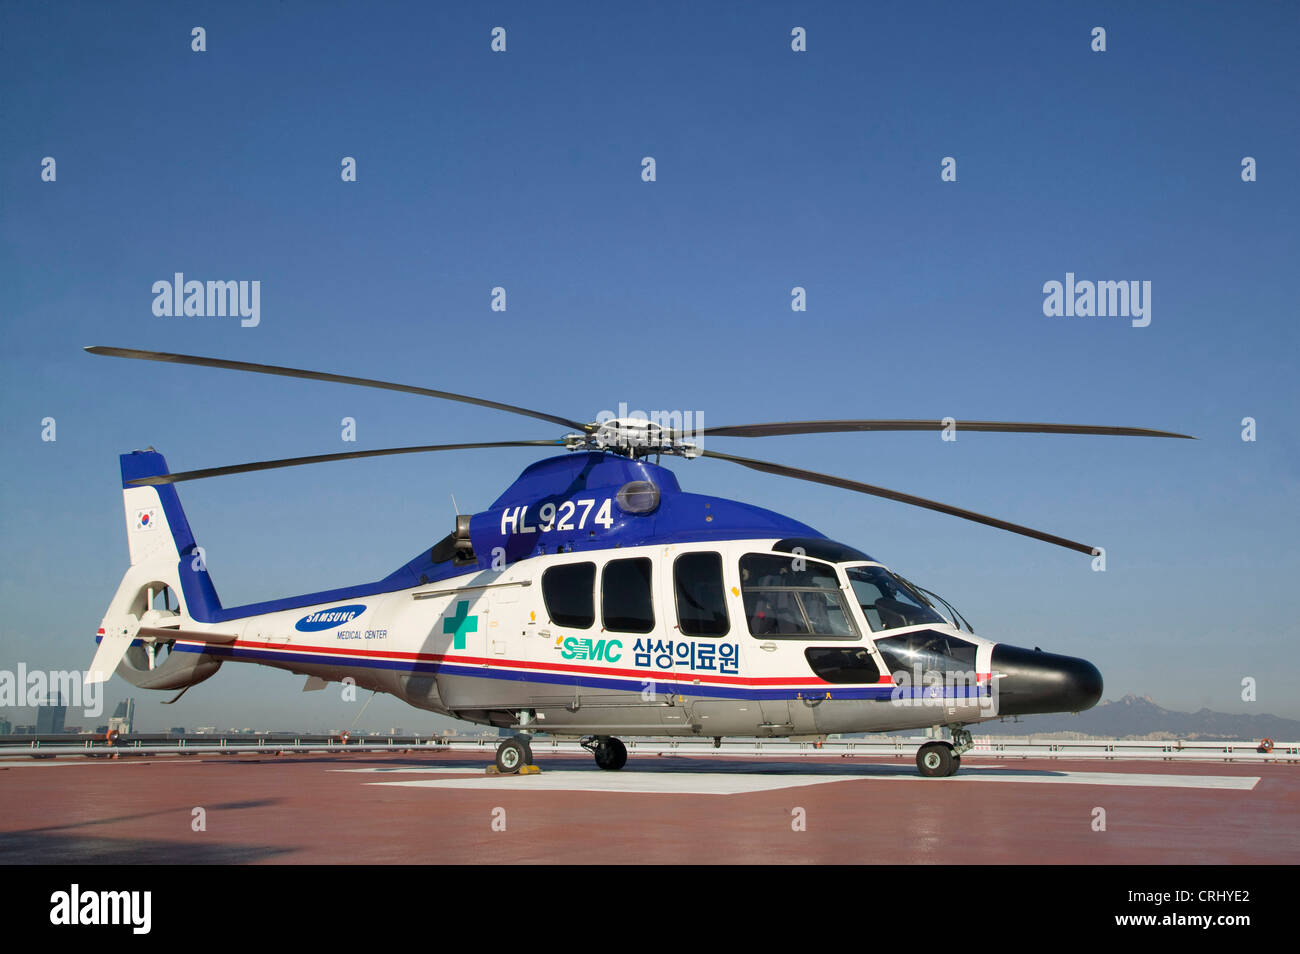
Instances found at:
x=155 y=522
x=164 y=560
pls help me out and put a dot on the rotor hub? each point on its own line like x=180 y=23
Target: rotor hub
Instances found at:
x=633 y=437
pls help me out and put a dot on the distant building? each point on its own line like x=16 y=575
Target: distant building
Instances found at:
x=123 y=719
x=6 y=727
x=49 y=717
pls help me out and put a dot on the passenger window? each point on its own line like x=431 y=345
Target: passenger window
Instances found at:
x=626 y=605
x=701 y=595
x=569 y=594
x=785 y=597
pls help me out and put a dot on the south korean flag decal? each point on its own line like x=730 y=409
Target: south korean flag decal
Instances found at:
x=146 y=519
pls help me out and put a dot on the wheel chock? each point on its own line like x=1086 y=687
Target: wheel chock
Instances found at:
x=530 y=770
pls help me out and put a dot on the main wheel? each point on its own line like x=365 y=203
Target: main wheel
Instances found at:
x=611 y=754
x=936 y=759
x=512 y=755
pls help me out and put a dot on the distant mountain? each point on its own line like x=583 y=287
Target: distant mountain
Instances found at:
x=1139 y=717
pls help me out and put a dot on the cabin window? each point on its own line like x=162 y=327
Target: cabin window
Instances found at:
x=793 y=596
x=701 y=595
x=626 y=605
x=569 y=593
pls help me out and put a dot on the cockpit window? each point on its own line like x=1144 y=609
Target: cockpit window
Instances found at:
x=843 y=664
x=888 y=602
x=793 y=596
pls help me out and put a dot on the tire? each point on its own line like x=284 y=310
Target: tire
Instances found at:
x=936 y=760
x=611 y=754
x=512 y=755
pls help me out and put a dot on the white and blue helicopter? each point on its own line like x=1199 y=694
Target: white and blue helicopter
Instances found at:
x=597 y=599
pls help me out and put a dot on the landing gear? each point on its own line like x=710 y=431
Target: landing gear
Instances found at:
x=610 y=753
x=961 y=739
x=937 y=759
x=513 y=754
x=940 y=759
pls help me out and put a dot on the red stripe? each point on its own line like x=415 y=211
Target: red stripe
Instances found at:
x=687 y=677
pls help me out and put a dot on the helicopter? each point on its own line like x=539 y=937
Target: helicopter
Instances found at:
x=596 y=599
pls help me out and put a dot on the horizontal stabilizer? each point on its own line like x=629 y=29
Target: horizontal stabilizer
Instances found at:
x=112 y=647
x=167 y=632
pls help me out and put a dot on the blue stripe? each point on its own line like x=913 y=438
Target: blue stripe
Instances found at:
x=582 y=680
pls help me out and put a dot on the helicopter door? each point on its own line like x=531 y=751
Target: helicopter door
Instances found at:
x=503 y=612
x=706 y=621
x=789 y=602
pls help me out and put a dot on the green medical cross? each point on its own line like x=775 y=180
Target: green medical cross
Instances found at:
x=460 y=624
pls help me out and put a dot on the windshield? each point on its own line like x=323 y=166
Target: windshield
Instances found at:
x=955 y=618
x=888 y=602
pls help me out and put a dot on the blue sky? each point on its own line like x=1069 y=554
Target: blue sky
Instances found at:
x=774 y=169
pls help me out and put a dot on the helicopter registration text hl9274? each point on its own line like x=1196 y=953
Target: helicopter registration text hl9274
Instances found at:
x=596 y=599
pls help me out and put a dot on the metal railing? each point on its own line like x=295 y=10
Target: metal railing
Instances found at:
x=906 y=746
x=888 y=746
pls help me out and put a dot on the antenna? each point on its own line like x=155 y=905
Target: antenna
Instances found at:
x=453 y=505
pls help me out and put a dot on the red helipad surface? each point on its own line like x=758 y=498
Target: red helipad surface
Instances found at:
x=442 y=808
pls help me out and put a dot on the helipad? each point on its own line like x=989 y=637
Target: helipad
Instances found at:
x=444 y=809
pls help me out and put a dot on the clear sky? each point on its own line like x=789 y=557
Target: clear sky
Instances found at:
x=774 y=169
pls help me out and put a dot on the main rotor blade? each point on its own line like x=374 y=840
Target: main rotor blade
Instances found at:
x=1010 y=427
x=324 y=458
x=782 y=471
x=325 y=376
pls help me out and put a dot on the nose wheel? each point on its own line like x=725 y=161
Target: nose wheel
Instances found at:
x=940 y=759
x=937 y=760
x=610 y=753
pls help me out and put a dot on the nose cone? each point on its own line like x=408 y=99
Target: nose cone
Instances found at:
x=1036 y=681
